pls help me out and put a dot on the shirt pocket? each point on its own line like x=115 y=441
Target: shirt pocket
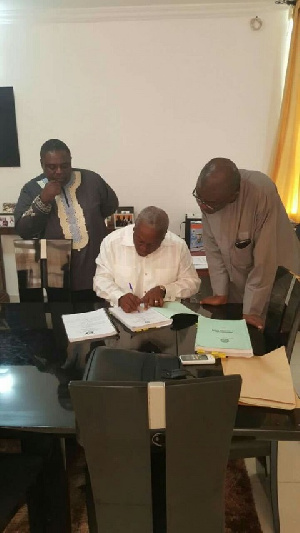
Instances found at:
x=242 y=258
x=167 y=275
x=125 y=278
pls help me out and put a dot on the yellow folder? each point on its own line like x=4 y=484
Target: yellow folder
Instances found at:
x=266 y=380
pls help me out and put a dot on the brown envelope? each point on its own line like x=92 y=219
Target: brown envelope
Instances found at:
x=266 y=380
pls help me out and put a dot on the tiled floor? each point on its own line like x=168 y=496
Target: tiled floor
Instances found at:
x=288 y=475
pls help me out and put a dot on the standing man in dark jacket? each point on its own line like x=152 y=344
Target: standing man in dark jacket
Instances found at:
x=65 y=202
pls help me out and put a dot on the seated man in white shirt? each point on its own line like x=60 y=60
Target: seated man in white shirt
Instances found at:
x=145 y=263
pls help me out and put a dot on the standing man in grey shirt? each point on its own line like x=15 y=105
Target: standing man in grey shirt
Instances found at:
x=67 y=203
x=247 y=235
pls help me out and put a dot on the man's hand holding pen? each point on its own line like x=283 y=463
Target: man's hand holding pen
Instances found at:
x=154 y=297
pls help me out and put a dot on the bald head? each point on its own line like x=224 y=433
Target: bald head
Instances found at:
x=150 y=229
x=217 y=185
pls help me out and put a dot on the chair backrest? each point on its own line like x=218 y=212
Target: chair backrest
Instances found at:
x=283 y=315
x=58 y=256
x=116 y=364
x=43 y=264
x=113 y=421
x=28 y=257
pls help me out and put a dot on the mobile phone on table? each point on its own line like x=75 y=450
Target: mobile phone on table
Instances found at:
x=197 y=359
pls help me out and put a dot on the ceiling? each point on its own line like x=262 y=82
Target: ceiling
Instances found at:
x=48 y=4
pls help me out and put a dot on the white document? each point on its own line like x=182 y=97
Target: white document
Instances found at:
x=91 y=325
x=144 y=319
x=199 y=262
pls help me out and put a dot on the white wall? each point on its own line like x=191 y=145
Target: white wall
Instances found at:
x=144 y=102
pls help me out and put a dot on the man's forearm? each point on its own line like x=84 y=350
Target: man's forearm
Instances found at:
x=106 y=288
x=33 y=221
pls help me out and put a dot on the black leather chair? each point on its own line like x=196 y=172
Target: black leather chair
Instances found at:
x=154 y=480
x=283 y=316
x=282 y=325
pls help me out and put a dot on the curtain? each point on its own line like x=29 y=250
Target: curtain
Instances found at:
x=285 y=170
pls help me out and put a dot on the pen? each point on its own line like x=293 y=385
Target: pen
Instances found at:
x=130 y=287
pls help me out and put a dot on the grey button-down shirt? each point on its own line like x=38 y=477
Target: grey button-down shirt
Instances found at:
x=247 y=275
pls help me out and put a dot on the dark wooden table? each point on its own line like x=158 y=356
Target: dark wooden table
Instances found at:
x=38 y=398
x=35 y=402
x=260 y=422
x=35 y=406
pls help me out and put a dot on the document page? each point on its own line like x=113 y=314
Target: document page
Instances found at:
x=170 y=309
x=200 y=262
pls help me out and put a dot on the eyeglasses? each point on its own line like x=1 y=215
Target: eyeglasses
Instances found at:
x=199 y=201
x=213 y=205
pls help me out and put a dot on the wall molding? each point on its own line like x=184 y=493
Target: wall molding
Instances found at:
x=151 y=12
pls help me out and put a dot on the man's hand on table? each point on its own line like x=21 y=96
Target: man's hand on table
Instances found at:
x=255 y=320
x=214 y=300
x=154 y=297
x=129 y=302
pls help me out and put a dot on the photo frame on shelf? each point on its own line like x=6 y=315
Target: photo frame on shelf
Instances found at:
x=194 y=234
x=8 y=207
x=124 y=216
x=7 y=220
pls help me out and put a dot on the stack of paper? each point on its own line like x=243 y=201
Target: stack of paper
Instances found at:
x=266 y=380
x=230 y=337
x=142 y=319
x=91 y=325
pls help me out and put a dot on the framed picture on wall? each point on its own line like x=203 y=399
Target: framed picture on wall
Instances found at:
x=9 y=146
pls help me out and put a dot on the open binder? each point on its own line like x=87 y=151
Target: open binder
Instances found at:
x=141 y=320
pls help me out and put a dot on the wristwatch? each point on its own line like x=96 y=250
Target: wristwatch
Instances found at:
x=163 y=289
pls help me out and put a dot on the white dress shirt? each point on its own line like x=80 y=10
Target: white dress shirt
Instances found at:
x=119 y=267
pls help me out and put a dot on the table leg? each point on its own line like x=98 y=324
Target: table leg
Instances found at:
x=3 y=294
x=54 y=502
